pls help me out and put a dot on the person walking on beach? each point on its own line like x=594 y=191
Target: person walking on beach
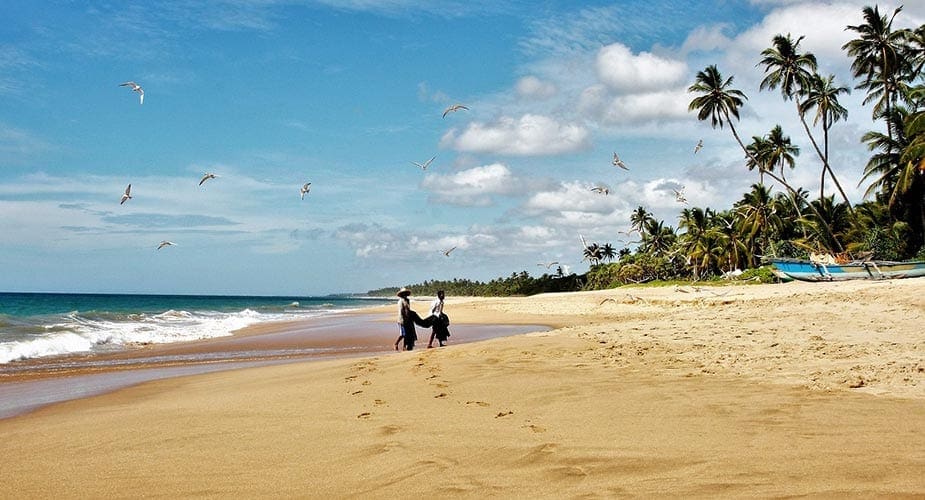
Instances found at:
x=405 y=321
x=438 y=321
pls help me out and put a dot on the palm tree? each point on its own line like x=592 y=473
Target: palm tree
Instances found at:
x=822 y=94
x=639 y=218
x=593 y=254
x=786 y=67
x=608 y=252
x=717 y=101
x=694 y=241
x=657 y=237
x=781 y=151
x=884 y=165
x=760 y=221
x=759 y=157
x=720 y=103
x=877 y=54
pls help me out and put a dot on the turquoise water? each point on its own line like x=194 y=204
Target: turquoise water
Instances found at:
x=34 y=325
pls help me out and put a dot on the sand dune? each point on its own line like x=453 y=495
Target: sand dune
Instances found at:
x=767 y=390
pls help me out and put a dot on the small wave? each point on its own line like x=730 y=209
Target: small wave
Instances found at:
x=76 y=333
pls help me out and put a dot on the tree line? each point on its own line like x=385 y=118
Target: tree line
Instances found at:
x=889 y=224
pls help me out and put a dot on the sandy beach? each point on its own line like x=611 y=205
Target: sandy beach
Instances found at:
x=798 y=389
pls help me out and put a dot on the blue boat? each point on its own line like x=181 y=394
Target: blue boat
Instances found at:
x=811 y=270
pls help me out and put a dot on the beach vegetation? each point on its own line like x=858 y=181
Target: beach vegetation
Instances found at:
x=731 y=245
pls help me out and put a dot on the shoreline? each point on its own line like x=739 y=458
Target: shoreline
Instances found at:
x=31 y=384
x=764 y=390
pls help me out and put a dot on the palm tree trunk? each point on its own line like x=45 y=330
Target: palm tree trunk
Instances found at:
x=793 y=192
x=824 y=158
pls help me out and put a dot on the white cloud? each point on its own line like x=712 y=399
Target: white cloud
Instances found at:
x=471 y=187
x=533 y=88
x=529 y=135
x=625 y=72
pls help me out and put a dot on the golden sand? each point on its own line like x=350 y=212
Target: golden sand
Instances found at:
x=750 y=391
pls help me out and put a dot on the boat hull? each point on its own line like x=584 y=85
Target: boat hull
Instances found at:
x=805 y=270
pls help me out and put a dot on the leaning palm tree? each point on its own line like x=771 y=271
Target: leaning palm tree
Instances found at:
x=720 y=103
x=822 y=95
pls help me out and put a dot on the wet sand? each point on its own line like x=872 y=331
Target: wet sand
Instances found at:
x=760 y=391
x=31 y=384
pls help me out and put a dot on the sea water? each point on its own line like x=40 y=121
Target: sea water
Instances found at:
x=35 y=325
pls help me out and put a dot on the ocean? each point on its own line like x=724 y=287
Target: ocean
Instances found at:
x=36 y=325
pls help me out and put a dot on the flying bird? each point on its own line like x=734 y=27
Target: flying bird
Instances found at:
x=547 y=265
x=135 y=88
x=425 y=164
x=617 y=162
x=699 y=146
x=601 y=190
x=305 y=189
x=165 y=243
x=127 y=195
x=455 y=107
x=447 y=252
x=206 y=177
x=679 y=195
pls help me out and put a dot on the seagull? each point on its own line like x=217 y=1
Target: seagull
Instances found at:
x=699 y=146
x=165 y=243
x=608 y=299
x=425 y=164
x=548 y=264
x=128 y=194
x=617 y=162
x=447 y=252
x=135 y=88
x=206 y=177
x=679 y=195
x=305 y=188
x=455 y=107
x=601 y=190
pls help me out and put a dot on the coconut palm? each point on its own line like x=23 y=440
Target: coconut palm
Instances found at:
x=759 y=156
x=720 y=103
x=608 y=252
x=593 y=253
x=760 y=222
x=717 y=100
x=639 y=218
x=878 y=59
x=785 y=67
x=822 y=95
x=781 y=152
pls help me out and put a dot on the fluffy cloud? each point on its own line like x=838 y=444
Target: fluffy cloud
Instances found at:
x=471 y=187
x=625 y=72
x=529 y=135
x=533 y=88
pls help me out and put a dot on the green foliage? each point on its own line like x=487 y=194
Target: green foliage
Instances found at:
x=516 y=284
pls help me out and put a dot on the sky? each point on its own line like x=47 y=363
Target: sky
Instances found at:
x=347 y=95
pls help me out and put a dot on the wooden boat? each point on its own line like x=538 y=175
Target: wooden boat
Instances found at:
x=806 y=270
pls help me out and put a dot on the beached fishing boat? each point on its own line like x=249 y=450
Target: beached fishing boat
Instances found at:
x=807 y=270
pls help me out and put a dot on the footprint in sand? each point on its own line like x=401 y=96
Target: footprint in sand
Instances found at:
x=535 y=428
x=441 y=395
x=365 y=415
x=379 y=402
x=354 y=393
x=479 y=403
x=350 y=378
x=388 y=430
x=504 y=414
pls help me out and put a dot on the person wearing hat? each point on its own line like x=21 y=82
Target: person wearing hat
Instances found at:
x=405 y=321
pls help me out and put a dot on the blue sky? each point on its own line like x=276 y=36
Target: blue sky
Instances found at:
x=271 y=94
